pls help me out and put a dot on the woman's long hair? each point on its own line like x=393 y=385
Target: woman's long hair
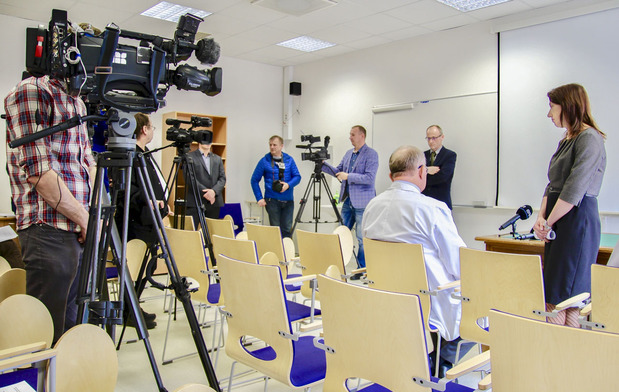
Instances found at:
x=575 y=108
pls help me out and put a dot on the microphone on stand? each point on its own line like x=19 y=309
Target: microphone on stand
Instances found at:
x=523 y=213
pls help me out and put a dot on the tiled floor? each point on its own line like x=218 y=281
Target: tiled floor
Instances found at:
x=135 y=373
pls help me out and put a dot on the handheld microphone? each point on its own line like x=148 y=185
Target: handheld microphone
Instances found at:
x=523 y=213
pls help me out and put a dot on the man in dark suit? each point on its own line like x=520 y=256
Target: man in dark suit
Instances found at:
x=441 y=164
x=210 y=180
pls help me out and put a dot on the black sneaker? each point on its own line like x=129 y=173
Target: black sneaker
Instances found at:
x=150 y=324
x=356 y=276
x=148 y=316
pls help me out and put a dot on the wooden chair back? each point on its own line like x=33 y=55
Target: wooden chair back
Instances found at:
x=136 y=250
x=189 y=253
x=4 y=265
x=346 y=242
x=187 y=223
x=318 y=251
x=512 y=283
x=220 y=227
x=86 y=360
x=399 y=267
x=244 y=250
x=267 y=238
x=12 y=282
x=24 y=320
x=256 y=301
x=529 y=355
x=605 y=296
x=377 y=336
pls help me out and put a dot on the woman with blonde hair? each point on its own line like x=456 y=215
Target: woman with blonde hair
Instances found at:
x=568 y=220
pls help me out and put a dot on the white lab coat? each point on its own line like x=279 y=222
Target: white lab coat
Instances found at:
x=403 y=214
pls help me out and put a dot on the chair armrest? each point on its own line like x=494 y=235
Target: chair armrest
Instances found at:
x=27 y=359
x=485 y=383
x=299 y=279
x=468 y=366
x=586 y=310
x=285 y=263
x=210 y=273
x=363 y=270
x=24 y=349
x=450 y=285
x=575 y=301
x=311 y=326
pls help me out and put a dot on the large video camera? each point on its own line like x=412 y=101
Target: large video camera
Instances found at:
x=316 y=154
x=183 y=138
x=126 y=77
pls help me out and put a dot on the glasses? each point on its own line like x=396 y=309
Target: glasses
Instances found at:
x=433 y=138
x=420 y=166
x=154 y=128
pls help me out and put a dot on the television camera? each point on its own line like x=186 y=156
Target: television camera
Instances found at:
x=183 y=138
x=129 y=78
x=316 y=154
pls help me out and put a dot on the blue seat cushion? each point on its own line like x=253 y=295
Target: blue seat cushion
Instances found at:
x=29 y=375
x=308 y=364
x=297 y=311
x=451 y=387
x=293 y=287
x=214 y=291
x=111 y=272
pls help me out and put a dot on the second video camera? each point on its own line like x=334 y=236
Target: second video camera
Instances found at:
x=315 y=154
x=184 y=137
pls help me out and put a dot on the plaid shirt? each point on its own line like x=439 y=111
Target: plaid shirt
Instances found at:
x=67 y=152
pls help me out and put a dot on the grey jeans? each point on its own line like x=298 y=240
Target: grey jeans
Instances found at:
x=52 y=257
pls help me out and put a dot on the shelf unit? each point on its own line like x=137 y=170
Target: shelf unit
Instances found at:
x=219 y=129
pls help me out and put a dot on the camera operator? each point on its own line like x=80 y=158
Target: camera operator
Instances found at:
x=280 y=177
x=357 y=172
x=50 y=184
x=210 y=179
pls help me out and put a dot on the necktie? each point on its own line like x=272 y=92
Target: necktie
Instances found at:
x=432 y=156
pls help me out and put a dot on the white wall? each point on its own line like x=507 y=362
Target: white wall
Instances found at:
x=251 y=99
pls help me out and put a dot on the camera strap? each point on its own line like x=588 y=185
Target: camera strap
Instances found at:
x=281 y=166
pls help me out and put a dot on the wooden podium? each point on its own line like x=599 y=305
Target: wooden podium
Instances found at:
x=507 y=244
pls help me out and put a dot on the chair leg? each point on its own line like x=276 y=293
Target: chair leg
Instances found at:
x=231 y=374
x=167 y=332
x=438 y=353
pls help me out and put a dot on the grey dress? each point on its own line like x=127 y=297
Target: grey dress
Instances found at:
x=575 y=175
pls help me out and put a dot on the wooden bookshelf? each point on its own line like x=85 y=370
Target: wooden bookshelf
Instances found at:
x=219 y=129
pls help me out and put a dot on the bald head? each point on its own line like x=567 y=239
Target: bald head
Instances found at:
x=408 y=163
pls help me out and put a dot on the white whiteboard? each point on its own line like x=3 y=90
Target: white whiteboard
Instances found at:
x=534 y=60
x=469 y=125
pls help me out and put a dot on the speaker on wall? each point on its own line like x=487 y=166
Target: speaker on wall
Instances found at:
x=295 y=88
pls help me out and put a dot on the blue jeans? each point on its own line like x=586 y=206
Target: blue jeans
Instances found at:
x=354 y=217
x=280 y=214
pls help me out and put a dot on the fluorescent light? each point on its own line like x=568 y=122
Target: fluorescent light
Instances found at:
x=295 y=7
x=171 y=12
x=306 y=44
x=393 y=108
x=471 y=5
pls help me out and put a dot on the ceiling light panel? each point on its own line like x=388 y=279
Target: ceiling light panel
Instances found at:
x=295 y=7
x=306 y=44
x=172 y=12
x=471 y=5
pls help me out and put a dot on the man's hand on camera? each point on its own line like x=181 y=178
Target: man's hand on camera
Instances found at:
x=262 y=203
x=285 y=186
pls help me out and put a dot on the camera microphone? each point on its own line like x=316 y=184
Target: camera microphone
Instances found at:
x=208 y=51
x=523 y=213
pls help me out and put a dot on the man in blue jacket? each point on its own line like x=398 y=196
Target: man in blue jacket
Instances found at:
x=280 y=177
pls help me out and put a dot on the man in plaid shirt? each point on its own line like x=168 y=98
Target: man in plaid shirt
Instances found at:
x=50 y=183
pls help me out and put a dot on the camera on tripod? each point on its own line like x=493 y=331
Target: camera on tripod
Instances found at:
x=126 y=77
x=316 y=154
x=184 y=137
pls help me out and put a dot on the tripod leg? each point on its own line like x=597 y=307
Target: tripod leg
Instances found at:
x=302 y=203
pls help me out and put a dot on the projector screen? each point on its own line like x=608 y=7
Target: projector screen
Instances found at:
x=533 y=60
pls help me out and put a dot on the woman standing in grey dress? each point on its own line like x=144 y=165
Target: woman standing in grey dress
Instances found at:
x=569 y=206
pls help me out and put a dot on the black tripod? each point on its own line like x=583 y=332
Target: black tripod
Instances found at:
x=316 y=183
x=123 y=161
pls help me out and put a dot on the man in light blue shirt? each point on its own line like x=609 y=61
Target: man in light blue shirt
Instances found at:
x=403 y=214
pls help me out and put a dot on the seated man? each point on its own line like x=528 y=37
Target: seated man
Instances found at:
x=403 y=214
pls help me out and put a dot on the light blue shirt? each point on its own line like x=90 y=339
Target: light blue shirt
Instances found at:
x=403 y=214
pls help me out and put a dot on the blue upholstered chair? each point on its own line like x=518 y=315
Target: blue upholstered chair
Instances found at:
x=234 y=210
x=256 y=307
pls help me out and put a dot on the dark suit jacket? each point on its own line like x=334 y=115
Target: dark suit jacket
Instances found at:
x=215 y=181
x=439 y=184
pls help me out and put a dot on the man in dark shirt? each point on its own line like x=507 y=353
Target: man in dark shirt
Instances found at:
x=441 y=164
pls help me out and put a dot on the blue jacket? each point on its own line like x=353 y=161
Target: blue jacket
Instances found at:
x=270 y=172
